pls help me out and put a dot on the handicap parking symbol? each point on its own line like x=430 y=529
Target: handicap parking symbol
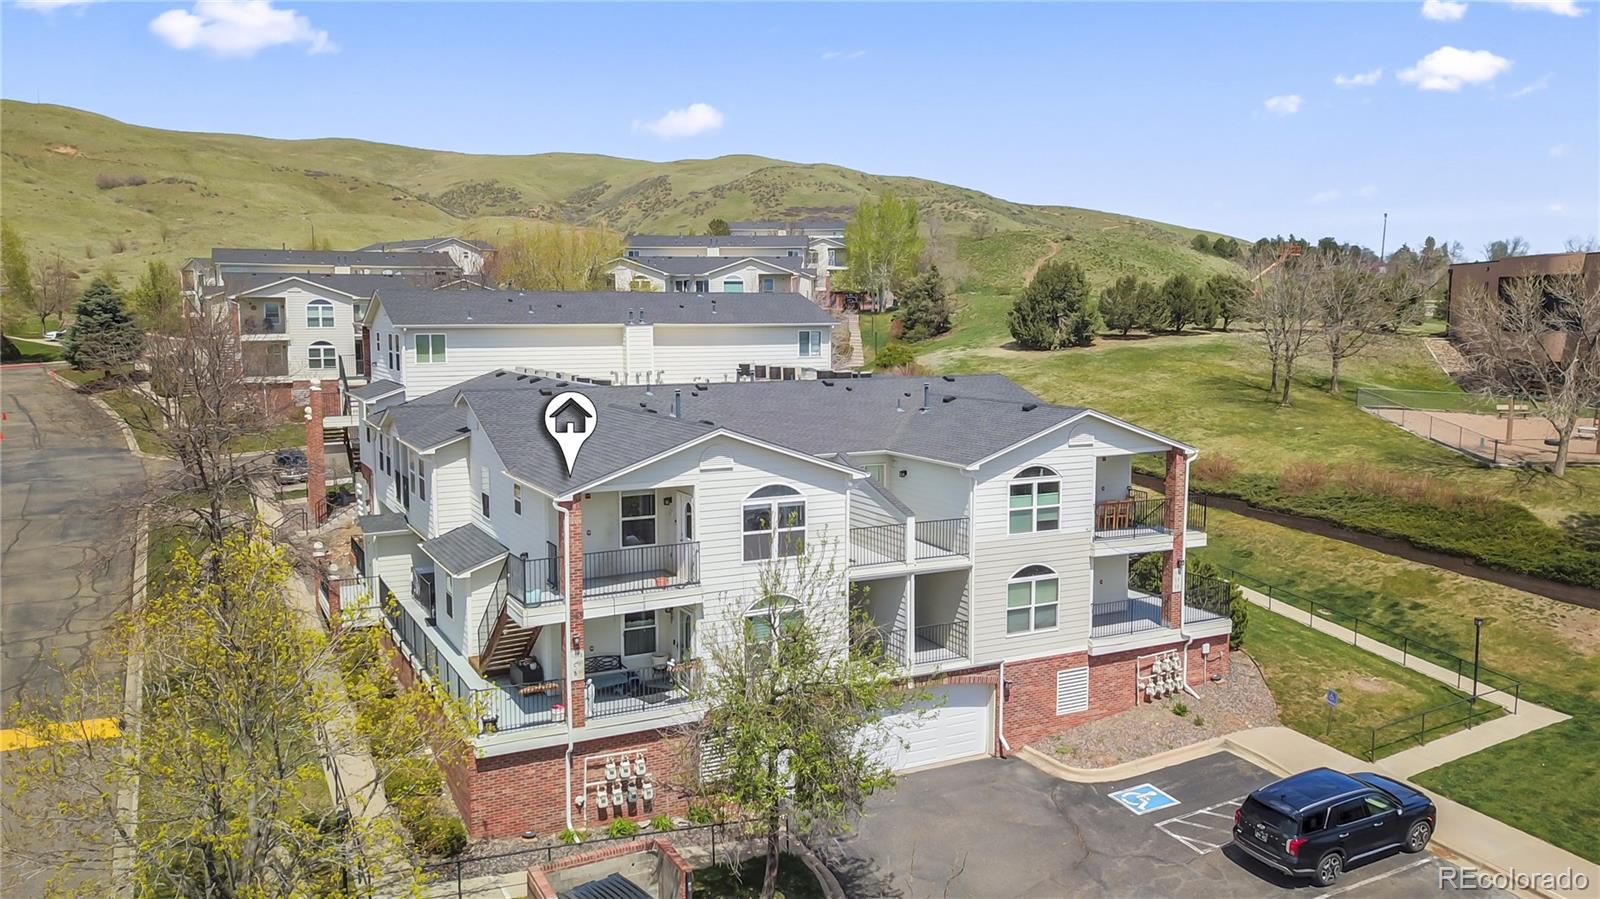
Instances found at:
x=1144 y=799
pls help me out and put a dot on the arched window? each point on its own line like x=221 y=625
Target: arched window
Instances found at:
x=322 y=356
x=1031 y=599
x=773 y=614
x=733 y=285
x=774 y=523
x=319 y=314
x=1035 y=500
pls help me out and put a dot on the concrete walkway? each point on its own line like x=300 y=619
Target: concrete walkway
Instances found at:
x=858 y=353
x=1522 y=717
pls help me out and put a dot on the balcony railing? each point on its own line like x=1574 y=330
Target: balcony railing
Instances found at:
x=535 y=582
x=942 y=537
x=1142 y=516
x=940 y=643
x=1125 y=616
x=637 y=569
x=878 y=544
x=255 y=366
x=263 y=325
x=644 y=691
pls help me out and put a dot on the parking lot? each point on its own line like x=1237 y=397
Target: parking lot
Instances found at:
x=994 y=828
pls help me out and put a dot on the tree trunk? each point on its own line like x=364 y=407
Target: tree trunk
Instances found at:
x=769 y=884
x=1274 y=384
x=1333 y=382
x=1564 y=434
x=1288 y=375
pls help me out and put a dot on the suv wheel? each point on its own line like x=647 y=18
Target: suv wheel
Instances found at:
x=1328 y=869
x=1417 y=836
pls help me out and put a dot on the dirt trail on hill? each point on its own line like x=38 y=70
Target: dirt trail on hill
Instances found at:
x=1055 y=247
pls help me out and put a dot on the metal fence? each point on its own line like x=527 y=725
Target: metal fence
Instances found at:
x=940 y=642
x=639 y=568
x=878 y=544
x=1414 y=728
x=941 y=537
x=1433 y=400
x=1144 y=515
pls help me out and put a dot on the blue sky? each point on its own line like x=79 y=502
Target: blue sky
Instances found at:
x=1219 y=116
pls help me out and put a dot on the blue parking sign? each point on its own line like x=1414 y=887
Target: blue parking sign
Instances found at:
x=1144 y=799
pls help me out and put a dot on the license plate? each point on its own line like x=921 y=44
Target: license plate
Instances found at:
x=1261 y=834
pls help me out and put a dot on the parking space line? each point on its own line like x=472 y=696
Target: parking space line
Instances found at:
x=1192 y=819
x=1375 y=878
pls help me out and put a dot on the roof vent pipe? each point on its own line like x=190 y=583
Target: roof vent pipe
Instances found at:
x=713 y=305
x=677 y=403
x=641 y=315
x=925 y=389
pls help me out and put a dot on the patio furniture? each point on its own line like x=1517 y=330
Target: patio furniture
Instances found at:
x=606 y=674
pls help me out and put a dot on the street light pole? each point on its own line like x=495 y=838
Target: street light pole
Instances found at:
x=1477 y=640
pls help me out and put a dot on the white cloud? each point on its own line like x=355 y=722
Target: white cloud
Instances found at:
x=1448 y=68
x=50 y=6
x=1326 y=196
x=1556 y=208
x=1529 y=88
x=843 y=54
x=238 y=28
x=1559 y=151
x=1284 y=104
x=1360 y=79
x=1367 y=191
x=1569 y=8
x=1443 y=10
x=696 y=118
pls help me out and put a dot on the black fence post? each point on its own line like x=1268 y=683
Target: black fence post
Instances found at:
x=1405 y=650
x=458 y=877
x=1355 y=631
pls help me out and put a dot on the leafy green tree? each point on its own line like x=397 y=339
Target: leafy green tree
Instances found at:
x=18 y=275
x=893 y=355
x=554 y=257
x=1179 y=302
x=1227 y=295
x=102 y=336
x=1227 y=248
x=718 y=228
x=795 y=690
x=1119 y=305
x=925 y=307
x=1201 y=243
x=885 y=241
x=1151 y=313
x=158 y=297
x=1054 y=310
x=1496 y=250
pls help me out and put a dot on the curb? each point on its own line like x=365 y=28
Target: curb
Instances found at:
x=122 y=425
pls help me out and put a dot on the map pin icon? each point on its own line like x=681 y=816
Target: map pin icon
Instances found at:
x=570 y=418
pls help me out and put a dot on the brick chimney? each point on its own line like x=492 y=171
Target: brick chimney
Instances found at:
x=316 y=462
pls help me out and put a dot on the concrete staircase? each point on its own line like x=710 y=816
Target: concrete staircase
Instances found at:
x=858 y=357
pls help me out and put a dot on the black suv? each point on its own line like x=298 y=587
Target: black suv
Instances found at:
x=1320 y=822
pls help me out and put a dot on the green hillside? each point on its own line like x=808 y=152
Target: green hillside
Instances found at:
x=105 y=193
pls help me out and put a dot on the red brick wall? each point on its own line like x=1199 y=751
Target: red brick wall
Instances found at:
x=577 y=692
x=1177 y=494
x=316 y=462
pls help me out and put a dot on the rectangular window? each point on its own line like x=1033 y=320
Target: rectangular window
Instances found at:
x=430 y=349
x=810 y=343
x=791 y=529
x=516 y=498
x=1031 y=605
x=411 y=474
x=638 y=519
x=422 y=479
x=877 y=472
x=757 y=533
x=449 y=604
x=638 y=633
x=702 y=287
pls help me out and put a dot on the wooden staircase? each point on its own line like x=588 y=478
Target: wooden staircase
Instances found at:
x=509 y=642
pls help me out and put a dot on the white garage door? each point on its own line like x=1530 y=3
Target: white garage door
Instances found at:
x=956 y=727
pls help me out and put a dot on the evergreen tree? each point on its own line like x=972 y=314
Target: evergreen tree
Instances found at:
x=1226 y=294
x=103 y=335
x=1201 y=243
x=1152 y=315
x=718 y=228
x=925 y=307
x=1054 y=311
x=1179 y=301
x=1119 y=305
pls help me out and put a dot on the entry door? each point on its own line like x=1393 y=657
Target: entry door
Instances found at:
x=683 y=519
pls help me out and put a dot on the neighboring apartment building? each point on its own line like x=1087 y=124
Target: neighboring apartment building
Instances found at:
x=424 y=340
x=202 y=276
x=714 y=274
x=986 y=533
x=468 y=255
x=811 y=227
x=655 y=259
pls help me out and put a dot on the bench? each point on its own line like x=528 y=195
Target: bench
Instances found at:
x=606 y=673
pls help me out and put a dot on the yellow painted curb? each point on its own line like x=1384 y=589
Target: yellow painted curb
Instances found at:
x=72 y=731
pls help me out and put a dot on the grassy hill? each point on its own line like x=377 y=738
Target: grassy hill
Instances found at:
x=107 y=194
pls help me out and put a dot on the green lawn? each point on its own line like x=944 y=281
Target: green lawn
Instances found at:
x=1546 y=782
x=1301 y=665
x=142 y=417
x=795 y=880
x=34 y=350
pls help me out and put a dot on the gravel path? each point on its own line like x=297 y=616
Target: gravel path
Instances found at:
x=1240 y=701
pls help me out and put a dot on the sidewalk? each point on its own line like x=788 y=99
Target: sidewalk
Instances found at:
x=1528 y=717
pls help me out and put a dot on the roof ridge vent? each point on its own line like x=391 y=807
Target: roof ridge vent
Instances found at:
x=1029 y=407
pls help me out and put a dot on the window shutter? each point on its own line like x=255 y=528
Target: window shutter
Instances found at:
x=1072 y=690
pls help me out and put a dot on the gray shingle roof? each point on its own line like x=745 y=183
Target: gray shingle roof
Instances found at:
x=612 y=886
x=464 y=549
x=355 y=285
x=705 y=240
x=816 y=224
x=246 y=255
x=374 y=390
x=422 y=243
x=705 y=265
x=412 y=307
x=383 y=523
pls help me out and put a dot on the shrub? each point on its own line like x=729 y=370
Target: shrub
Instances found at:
x=925 y=307
x=433 y=831
x=1199 y=721
x=622 y=827
x=1239 y=611
x=894 y=355
x=1303 y=478
x=1180 y=709
x=1215 y=469
x=661 y=823
x=570 y=837
x=119 y=245
x=413 y=778
x=701 y=815
x=108 y=181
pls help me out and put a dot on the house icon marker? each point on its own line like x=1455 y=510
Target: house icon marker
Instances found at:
x=570 y=419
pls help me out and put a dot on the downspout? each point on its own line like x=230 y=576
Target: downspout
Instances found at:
x=1000 y=703
x=566 y=585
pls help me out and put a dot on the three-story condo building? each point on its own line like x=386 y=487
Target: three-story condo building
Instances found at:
x=986 y=533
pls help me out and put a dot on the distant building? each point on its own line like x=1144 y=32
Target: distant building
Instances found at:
x=820 y=226
x=1471 y=280
x=738 y=263
x=468 y=255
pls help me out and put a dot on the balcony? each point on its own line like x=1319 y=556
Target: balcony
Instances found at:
x=635 y=692
x=886 y=544
x=255 y=365
x=939 y=643
x=639 y=569
x=1142 y=612
x=535 y=582
x=261 y=326
x=1142 y=517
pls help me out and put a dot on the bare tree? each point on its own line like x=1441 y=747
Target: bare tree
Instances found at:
x=1283 y=303
x=1589 y=244
x=53 y=289
x=1505 y=249
x=1354 y=304
x=1539 y=338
